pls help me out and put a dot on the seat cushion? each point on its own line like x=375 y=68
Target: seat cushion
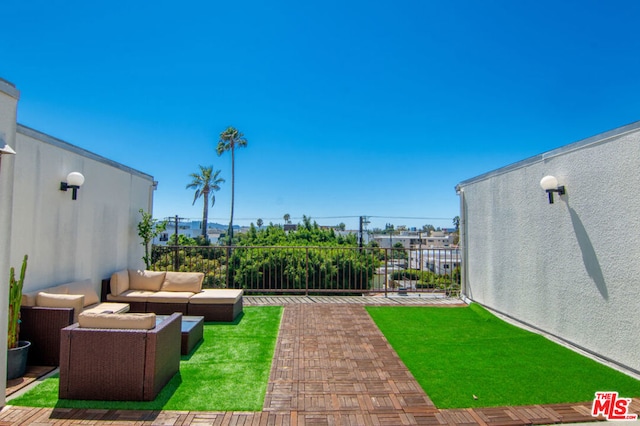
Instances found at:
x=216 y=296
x=117 y=321
x=108 y=308
x=130 y=296
x=52 y=300
x=170 y=297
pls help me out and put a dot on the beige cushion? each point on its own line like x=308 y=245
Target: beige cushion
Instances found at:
x=183 y=281
x=119 y=282
x=118 y=321
x=108 y=308
x=50 y=300
x=216 y=297
x=170 y=297
x=146 y=280
x=85 y=288
x=130 y=296
x=29 y=299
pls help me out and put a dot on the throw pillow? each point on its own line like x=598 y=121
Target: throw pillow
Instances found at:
x=119 y=282
x=183 y=281
x=146 y=280
x=87 y=289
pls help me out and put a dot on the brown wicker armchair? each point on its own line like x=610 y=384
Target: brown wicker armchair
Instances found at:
x=117 y=364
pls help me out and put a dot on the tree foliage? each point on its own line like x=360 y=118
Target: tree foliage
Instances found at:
x=309 y=258
x=230 y=139
x=271 y=258
x=148 y=229
x=204 y=183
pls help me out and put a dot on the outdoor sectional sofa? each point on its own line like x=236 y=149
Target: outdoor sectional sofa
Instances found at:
x=168 y=292
x=124 y=357
x=46 y=311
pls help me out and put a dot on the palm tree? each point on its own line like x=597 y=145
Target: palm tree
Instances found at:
x=205 y=182
x=229 y=140
x=287 y=218
x=259 y=223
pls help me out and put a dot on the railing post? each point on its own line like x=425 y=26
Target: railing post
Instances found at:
x=228 y=267
x=386 y=272
x=176 y=260
x=306 y=268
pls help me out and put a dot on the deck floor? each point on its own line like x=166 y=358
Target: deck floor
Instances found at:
x=332 y=366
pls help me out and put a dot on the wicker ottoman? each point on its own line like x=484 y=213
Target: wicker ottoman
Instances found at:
x=216 y=304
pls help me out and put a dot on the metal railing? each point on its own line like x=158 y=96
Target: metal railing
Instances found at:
x=317 y=270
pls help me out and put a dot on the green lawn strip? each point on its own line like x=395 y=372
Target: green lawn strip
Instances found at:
x=228 y=371
x=456 y=353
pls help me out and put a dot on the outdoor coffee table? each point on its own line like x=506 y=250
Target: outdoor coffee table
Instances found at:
x=191 y=331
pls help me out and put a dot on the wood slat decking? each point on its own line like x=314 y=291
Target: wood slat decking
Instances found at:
x=332 y=366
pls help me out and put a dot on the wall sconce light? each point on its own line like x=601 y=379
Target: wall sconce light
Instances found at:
x=550 y=185
x=5 y=149
x=74 y=181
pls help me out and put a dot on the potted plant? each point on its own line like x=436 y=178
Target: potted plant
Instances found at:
x=17 y=350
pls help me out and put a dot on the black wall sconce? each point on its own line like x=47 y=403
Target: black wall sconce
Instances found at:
x=74 y=182
x=550 y=185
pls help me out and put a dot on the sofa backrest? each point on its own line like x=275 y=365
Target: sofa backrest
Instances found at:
x=29 y=299
x=84 y=288
x=119 y=282
x=183 y=281
x=146 y=280
x=129 y=279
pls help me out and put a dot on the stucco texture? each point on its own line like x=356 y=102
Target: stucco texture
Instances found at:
x=571 y=268
x=70 y=240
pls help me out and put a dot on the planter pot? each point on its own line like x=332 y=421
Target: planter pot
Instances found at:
x=17 y=360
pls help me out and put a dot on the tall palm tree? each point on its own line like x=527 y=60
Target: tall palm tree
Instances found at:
x=229 y=140
x=205 y=182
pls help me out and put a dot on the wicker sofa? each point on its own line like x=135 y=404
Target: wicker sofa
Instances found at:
x=98 y=362
x=168 y=292
x=44 y=312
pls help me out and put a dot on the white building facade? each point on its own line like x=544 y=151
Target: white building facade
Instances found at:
x=562 y=268
x=66 y=240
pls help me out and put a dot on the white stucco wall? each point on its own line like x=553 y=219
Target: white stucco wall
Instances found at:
x=66 y=240
x=571 y=268
x=9 y=96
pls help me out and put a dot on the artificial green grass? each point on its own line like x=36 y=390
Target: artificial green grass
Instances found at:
x=458 y=353
x=228 y=371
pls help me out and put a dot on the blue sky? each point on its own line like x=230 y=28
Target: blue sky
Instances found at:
x=350 y=108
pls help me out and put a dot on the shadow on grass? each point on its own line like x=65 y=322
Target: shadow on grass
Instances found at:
x=236 y=321
x=157 y=404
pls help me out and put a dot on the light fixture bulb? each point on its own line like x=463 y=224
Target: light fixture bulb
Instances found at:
x=75 y=179
x=549 y=182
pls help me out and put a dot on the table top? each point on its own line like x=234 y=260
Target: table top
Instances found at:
x=188 y=321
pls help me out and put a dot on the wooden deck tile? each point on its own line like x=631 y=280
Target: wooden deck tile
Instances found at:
x=332 y=366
